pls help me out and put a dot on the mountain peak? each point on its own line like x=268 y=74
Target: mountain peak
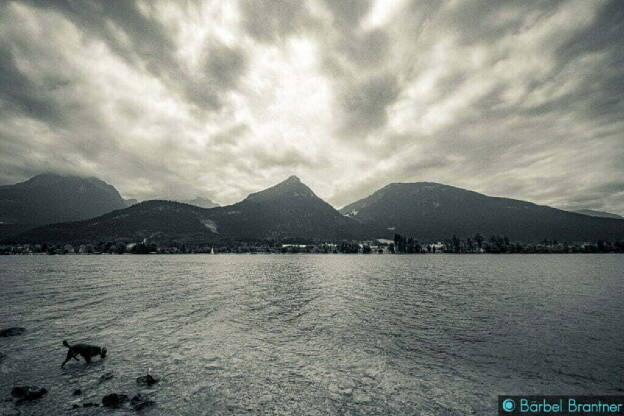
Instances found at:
x=62 y=179
x=292 y=179
x=46 y=179
x=290 y=188
x=429 y=185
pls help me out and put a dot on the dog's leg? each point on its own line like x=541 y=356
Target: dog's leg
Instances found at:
x=69 y=357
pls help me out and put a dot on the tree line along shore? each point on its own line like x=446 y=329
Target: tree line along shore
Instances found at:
x=399 y=245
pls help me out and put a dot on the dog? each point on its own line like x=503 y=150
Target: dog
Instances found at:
x=85 y=350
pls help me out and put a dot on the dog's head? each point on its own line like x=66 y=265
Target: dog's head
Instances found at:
x=65 y=343
x=103 y=352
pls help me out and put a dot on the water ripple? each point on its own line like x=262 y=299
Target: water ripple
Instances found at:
x=317 y=335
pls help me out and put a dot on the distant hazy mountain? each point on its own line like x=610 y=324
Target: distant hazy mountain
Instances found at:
x=201 y=202
x=288 y=209
x=601 y=214
x=52 y=198
x=434 y=211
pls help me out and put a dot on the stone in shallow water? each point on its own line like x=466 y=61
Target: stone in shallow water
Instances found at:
x=114 y=400
x=28 y=392
x=11 y=332
x=77 y=392
x=147 y=380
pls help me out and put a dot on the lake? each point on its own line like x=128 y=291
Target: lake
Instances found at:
x=314 y=334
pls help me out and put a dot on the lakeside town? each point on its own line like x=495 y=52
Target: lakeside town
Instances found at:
x=399 y=245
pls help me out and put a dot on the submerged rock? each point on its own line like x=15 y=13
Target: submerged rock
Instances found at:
x=28 y=392
x=147 y=380
x=77 y=392
x=140 y=402
x=11 y=332
x=114 y=400
x=91 y=405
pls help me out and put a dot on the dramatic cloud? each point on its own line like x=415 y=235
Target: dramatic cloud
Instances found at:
x=273 y=20
x=167 y=99
x=364 y=104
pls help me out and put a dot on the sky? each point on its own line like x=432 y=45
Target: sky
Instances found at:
x=178 y=99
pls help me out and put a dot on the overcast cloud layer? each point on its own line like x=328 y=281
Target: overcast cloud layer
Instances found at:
x=175 y=99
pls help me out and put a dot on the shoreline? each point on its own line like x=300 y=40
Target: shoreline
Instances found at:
x=308 y=253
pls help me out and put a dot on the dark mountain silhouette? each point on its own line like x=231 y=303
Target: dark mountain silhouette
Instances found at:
x=201 y=202
x=52 y=198
x=431 y=211
x=287 y=210
x=290 y=210
x=601 y=214
x=155 y=220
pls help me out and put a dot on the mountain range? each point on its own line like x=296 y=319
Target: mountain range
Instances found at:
x=291 y=211
x=288 y=210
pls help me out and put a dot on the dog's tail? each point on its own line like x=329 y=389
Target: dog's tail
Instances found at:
x=103 y=352
x=66 y=344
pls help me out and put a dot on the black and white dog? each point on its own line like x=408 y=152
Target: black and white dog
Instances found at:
x=85 y=350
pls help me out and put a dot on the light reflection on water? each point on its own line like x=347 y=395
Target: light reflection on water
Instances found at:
x=315 y=334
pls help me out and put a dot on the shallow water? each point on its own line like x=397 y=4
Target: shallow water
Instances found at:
x=314 y=334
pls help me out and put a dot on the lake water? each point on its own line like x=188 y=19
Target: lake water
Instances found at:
x=314 y=334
